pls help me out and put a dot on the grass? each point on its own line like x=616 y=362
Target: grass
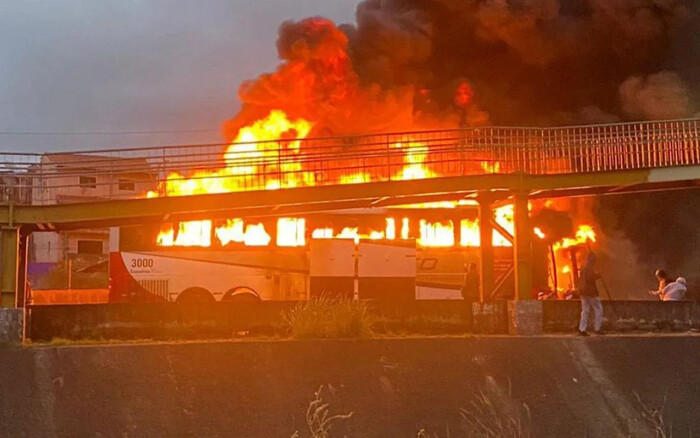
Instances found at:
x=318 y=418
x=326 y=318
x=482 y=419
x=654 y=417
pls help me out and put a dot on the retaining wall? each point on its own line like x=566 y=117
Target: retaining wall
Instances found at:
x=573 y=387
x=229 y=320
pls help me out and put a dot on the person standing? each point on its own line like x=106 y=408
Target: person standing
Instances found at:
x=664 y=280
x=471 y=285
x=588 y=290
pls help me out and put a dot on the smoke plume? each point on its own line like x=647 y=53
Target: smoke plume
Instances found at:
x=422 y=64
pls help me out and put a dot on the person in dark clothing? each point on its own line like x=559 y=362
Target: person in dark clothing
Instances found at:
x=589 y=297
x=471 y=285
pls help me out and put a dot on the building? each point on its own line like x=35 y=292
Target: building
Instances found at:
x=70 y=178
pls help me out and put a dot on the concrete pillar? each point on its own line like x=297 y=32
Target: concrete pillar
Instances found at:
x=525 y=317
x=9 y=276
x=523 y=248
x=11 y=326
x=486 y=264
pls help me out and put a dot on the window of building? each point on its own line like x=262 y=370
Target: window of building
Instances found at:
x=127 y=185
x=90 y=247
x=88 y=182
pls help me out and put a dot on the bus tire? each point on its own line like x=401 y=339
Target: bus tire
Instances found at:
x=195 y=295
x=241 y=294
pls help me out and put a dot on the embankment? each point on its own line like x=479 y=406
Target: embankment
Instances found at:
x=573 y=387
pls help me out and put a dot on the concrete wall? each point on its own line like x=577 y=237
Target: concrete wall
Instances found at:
x=573 y=387
x=626 y=316
x=226 y=320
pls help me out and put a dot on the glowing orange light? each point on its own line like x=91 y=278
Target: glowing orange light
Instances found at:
x=291 y=232
x=469 y=233
x=322 y=233
x=192 y=233
x=390 y=228
x=405 y=228
x=436 y=234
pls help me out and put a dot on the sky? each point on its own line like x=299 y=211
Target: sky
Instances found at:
x=96 y=67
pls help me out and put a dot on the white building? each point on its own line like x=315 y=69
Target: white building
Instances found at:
x=72 y=178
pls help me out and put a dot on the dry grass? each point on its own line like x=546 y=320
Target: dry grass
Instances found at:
x=482 y=419
x=654 y=417
x=325 y=318
x=318 y=417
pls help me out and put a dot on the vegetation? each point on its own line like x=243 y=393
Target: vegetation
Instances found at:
x=325 y=318
x=483 y=420
x=654 y=417
x=318 y=417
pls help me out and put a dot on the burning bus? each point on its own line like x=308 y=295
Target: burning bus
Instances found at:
x=399 y=253
x=413 y=252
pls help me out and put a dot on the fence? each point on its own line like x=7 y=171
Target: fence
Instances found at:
x=218 y=168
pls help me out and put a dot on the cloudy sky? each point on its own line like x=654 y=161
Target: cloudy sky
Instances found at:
x=97 y=66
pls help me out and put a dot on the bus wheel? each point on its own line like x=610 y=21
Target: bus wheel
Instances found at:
x=195 y=295
x=241 y=294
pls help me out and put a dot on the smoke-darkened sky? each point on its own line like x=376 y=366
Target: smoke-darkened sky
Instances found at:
x=134 y=65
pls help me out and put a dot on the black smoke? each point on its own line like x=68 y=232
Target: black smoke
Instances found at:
x=415 y=64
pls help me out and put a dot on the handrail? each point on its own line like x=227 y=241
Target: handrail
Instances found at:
x=110 y=173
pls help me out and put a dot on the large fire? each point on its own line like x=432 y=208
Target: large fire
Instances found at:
x=273 y=146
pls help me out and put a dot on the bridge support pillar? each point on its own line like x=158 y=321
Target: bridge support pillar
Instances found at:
x=522 y=249
x=12 y=285
x=486 y=258
x=9 y=274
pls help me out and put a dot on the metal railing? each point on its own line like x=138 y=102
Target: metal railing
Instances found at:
x=215 y=168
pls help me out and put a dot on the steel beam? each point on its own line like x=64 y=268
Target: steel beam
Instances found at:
x=522 y=248
x=320 y=198
x=9 y=272
x=486 y=257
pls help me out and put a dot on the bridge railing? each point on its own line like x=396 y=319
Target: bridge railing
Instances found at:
x=214 y=168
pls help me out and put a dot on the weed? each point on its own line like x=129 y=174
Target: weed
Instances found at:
x=655 y=418
x=483 y=420
x=318 y=418
x=329 y=318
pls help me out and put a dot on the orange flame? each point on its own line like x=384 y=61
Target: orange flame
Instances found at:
x=291 y=232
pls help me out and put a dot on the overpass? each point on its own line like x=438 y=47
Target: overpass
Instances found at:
x=297 y=176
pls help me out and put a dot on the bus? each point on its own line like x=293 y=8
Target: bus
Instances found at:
x=377 y=254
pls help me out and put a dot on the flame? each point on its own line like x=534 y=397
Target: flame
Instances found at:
x=436 y=234
x=291 y=232
x=192 y=233
x=356 y=178
x=405 y=228
x=272 y=146
x=584 y=234
x=414 y=162
x=469 y=233
x=235 y=230
x=258 y=147
x=390 y=228
x=491 y=166
x=538 y=232
x=322 y=233
x=504 y=216
x=566 y=269
x=349 y=233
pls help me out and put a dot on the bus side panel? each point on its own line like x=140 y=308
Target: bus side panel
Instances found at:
x=386 y=270
x=332 y=268
x=159 y=277
x=123 y=287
